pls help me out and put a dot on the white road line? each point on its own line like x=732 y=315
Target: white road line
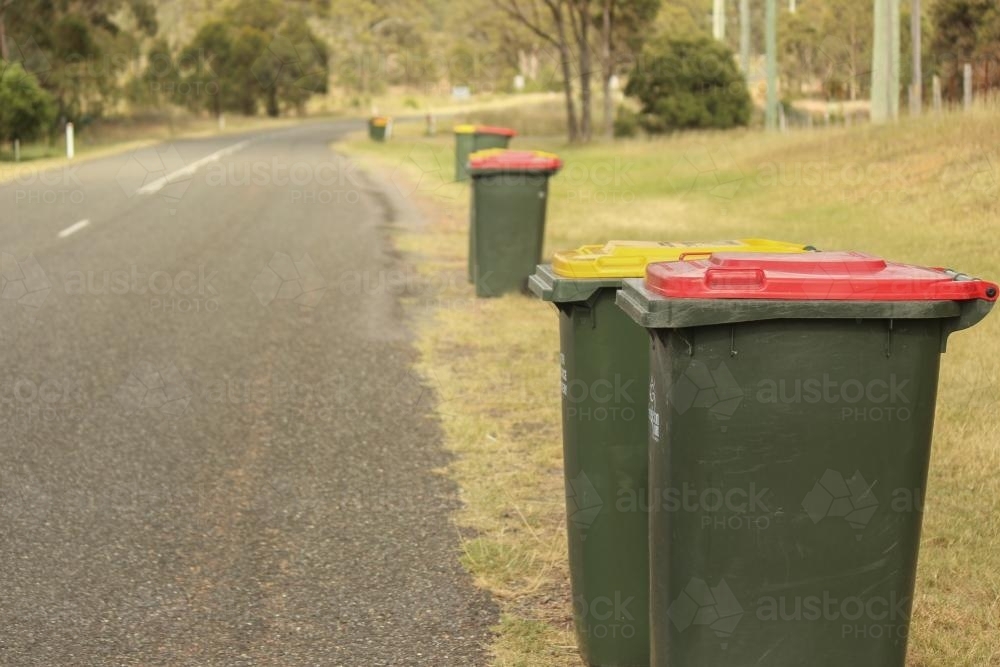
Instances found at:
x=74 y=228
x=155 y=186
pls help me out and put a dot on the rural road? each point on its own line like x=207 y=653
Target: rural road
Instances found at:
x=213 y=449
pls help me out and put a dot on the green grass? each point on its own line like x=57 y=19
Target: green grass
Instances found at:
x=923 y=192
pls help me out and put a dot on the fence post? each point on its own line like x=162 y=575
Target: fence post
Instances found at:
x=967 y=86
x=17 y=150
x=936 y=91
x=70 y=148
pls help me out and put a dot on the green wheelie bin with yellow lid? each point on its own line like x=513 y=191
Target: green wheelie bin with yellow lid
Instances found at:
x=604 y=374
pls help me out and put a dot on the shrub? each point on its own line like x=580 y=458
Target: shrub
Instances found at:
x=626 y=123
x=689 y=83
x=26 y=109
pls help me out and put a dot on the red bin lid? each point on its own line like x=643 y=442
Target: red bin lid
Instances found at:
x=492 y=129
x=499 y=159
x=835 y=276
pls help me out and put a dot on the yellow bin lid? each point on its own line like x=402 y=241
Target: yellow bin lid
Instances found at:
x=628 y=259
x=465 y=129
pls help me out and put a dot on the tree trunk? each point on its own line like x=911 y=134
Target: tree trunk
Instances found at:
x=532 y=21
x=273 y=109
x=608 y=70
x=4 y=55
x=566 y=62
x=581 y=28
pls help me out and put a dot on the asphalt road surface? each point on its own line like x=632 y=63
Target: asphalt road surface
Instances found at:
x=213 y=449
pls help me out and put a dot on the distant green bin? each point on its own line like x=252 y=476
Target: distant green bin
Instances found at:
x=604 y=359
x=791 y=411
x=379 y=128
x=472 y=138
x=507 y=217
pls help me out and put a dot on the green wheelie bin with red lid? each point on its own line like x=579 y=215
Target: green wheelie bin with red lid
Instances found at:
x=472 y=138
x=510 y=191
x=791 y=409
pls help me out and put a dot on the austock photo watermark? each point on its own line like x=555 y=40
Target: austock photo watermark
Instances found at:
x=878 y=399
x=614 y=616
x=167 y=292
x=23 y=284
x=194 y=290
x=854 y=617
x=873 y=183
x=607 y=181
x=717 y=173
x=163 y=389
x=617 y=397
x=28 y=401
x=336 y=180
x=746 y=506
x=162 y=171
x=36 y=186
x=427 y=289
x=289 y=279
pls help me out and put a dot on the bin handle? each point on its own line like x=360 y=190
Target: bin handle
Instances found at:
x=703 y=253
x=735 y=279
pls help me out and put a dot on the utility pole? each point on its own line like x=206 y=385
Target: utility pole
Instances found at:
x=771 y=39
x=745 y=36
x=894 y=58
x=917 y=85
x=719 y=19
x=880 y=51
x=885 y=62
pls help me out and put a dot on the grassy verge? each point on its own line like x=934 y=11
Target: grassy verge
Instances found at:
x=924 y=192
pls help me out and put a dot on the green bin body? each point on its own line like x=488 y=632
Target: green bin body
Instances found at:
x=604 y=365
x=605 y=372
x=789 y=447
x=376 y=132
x=507 y=228
x=467 y=143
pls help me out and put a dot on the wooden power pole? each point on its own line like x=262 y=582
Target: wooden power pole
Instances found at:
x=917 y=84
x=719 y=19
x=885 y=62
x=771 y=39
x=745 y=36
